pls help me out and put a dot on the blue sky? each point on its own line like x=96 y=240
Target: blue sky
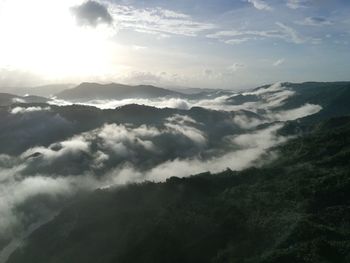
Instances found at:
x=223 y=43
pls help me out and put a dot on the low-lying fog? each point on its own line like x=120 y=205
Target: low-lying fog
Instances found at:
x=45 y=170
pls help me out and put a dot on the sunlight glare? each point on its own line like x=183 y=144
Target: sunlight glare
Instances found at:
x=44 y=37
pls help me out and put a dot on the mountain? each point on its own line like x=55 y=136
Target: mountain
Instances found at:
x=43 y=91
x=7 y=99
x=187 y=90
x=94 y=91
x=333 y=97
x=149 y=135
x=295 y=209
x=284 y=196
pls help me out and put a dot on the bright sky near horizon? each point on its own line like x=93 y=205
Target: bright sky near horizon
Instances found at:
x=197 y=43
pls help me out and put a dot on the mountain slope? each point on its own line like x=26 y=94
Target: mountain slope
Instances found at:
x=320 y=100
x=19 y=132
x=92 y=91
x=296 y=209
x=332 y=96
x=7 y=99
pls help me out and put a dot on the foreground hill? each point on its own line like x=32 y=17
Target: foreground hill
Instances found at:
x=296 y=209
x=92 y=91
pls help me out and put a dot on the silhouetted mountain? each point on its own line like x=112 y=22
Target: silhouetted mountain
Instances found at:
x=94 y=91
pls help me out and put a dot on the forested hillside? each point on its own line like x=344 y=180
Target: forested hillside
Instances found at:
x=295 y=209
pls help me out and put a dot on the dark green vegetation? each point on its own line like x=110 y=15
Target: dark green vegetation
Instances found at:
x=333 y=97
x=296 y=209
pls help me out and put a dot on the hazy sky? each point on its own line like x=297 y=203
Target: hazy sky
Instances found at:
x=199 y=43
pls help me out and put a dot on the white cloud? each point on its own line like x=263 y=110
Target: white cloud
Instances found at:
x=161 y=103
x=235 y=67
x=290 y=34
x=138 y=48
x=16 y=191
x=293 y=114
x=111 y=141
x=157 y=21
x=273 y=88
x=252 y=147
x=284 y=32
x=180 y=124
x=296 y=4
x=315 y=21
x=119 y=138
x=22 y=110
x=56 y=151
x=270 y=97
x=278 y=62
x=247 y=122
x=237 y=33
x=278 y=98
x=260 y=5
x=236 y=41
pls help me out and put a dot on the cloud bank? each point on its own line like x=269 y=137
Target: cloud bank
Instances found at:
x=181 y=140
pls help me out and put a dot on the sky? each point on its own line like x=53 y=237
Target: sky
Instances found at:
x=231 y=44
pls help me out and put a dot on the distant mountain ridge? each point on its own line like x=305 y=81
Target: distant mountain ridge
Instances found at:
x=7 y=99
x=92 y=91
x=43 y=91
